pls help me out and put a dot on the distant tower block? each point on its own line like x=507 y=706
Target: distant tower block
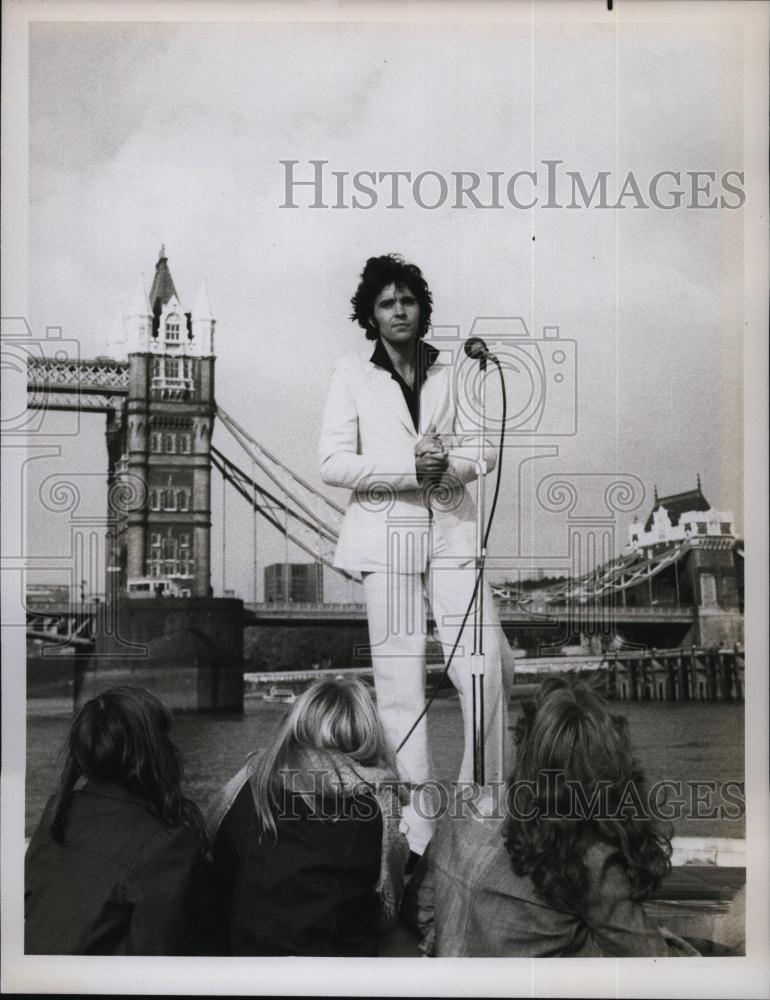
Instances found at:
x=162 y=440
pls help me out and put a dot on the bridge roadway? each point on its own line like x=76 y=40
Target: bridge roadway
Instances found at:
x=59 y=621
x=511 y=613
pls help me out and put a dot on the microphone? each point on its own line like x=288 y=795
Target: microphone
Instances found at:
x=477 y=350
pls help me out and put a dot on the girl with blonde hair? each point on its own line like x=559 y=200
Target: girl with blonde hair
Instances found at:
x=308 y=857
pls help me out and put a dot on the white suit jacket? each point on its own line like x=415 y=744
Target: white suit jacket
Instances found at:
x=367 y=445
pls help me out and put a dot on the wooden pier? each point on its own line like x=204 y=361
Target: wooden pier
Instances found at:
x=682 y=674
x=687 y=674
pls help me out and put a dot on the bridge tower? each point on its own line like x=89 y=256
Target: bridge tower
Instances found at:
x=189 y=648
x=162 y=441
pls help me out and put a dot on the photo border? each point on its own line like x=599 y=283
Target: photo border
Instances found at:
x=708 y=977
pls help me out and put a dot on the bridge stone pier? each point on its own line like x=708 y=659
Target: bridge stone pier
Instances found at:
x=719 y=618
x=188 y=651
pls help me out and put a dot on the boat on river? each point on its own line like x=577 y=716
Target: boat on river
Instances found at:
x=285 y=696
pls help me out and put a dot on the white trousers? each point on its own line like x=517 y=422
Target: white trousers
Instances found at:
x=397 y=615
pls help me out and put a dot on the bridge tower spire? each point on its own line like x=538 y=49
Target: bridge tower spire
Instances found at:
x=162 y=445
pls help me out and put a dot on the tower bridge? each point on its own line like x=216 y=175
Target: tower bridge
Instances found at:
x=681 y=573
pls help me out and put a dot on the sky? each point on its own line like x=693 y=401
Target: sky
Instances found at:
x=142 y=134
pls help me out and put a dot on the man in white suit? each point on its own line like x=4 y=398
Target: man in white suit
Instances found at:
x=391 y=434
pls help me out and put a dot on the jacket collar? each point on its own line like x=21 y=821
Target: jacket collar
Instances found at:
x=331 y=773
x=383 y=378
x=111 y=790
x=426 y=355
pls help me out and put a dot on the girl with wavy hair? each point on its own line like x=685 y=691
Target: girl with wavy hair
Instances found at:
x=588 y=796
x=308 y=857
x=115 y=864
x=559 y=863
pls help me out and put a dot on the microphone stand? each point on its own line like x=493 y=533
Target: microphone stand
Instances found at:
x=476 y=349
x=477 y=657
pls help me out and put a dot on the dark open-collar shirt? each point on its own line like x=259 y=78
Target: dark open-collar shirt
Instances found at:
x=426 y=355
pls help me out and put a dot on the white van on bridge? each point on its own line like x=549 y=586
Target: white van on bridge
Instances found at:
x=155 y=586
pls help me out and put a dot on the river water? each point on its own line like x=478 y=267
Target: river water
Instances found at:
x=677 y=741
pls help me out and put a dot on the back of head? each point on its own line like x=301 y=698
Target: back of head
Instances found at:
x=332 y=720
x=571 y=731
x=576 y=783
x=122 y=737
x=337 y=715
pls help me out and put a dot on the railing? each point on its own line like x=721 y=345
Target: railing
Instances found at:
x=98 y=385
x=101 y=375
x=257 y=679
x=306 y=606
x=589 y=607
x=509 y=611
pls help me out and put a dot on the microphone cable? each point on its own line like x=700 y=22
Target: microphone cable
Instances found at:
x=480 y=572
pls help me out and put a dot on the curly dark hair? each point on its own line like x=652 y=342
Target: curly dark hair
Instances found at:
x=122 y=736
x=379 y=272
x=569 y=731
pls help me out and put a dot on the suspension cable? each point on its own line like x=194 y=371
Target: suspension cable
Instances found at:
x=245 y=486
x=244 y=439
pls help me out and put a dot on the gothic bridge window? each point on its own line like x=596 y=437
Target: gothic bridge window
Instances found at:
x=170 y=443
x=172 y=328
x=170 y=555
x=170 y=498
x=172 y=373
